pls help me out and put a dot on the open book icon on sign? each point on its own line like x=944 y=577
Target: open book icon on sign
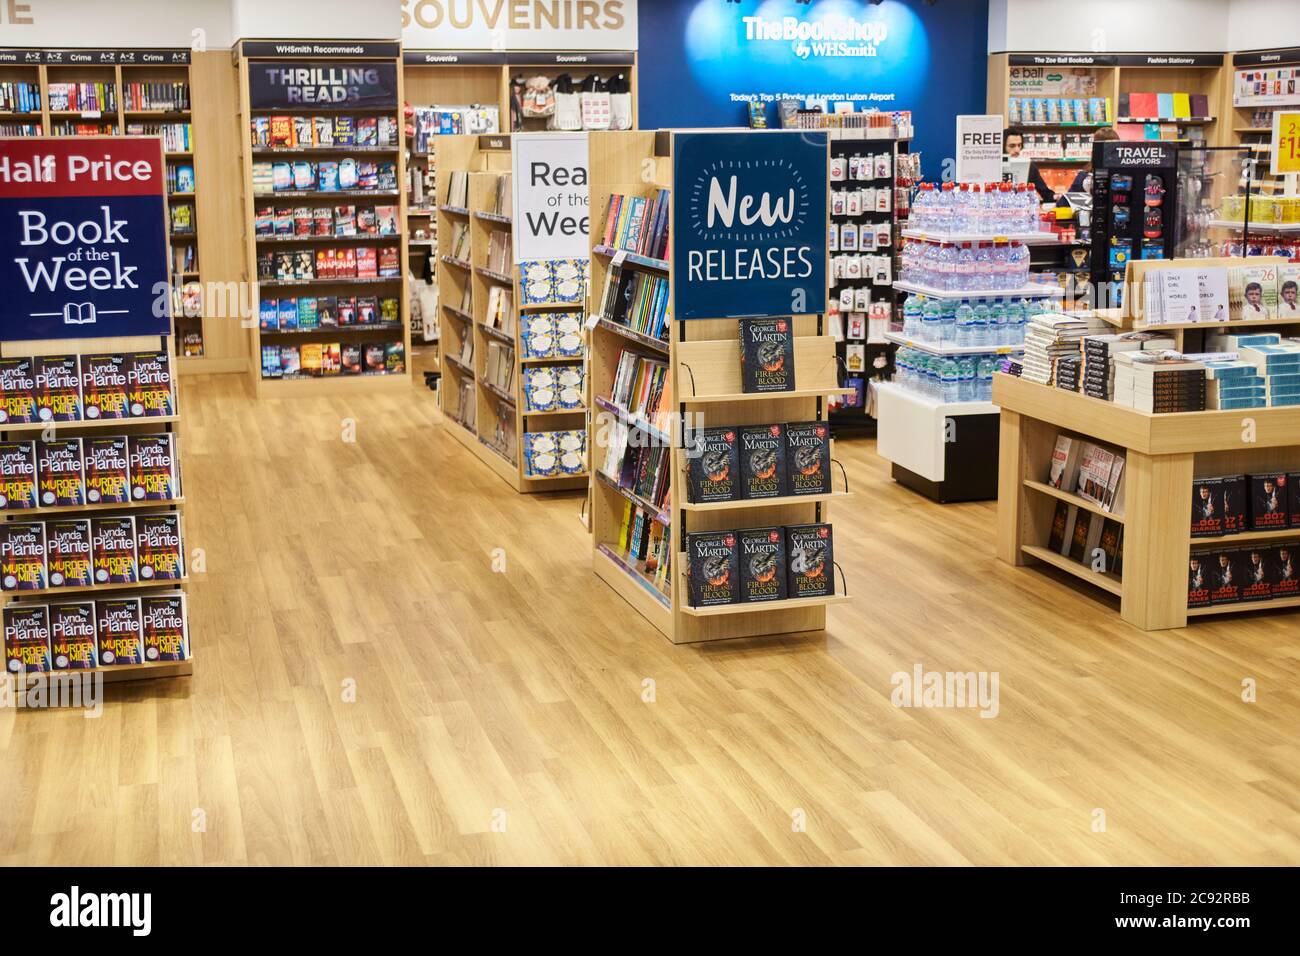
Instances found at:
x=79 y=313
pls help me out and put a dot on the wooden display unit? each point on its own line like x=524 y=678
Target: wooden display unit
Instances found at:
x=1246 y=129
x=1164 y=454
x=500 y=418
x=704 y=365
x=88 y=429
x=119 y=69
x=249 y=52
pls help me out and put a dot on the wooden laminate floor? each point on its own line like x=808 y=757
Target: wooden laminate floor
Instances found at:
x=499 y=717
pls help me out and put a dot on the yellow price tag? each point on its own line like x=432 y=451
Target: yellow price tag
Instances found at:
x=1286 y=142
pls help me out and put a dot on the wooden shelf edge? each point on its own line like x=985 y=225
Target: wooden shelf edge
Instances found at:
x=783 y=501
x=1081 y=571
x=768 y=607
x=1278 y=605
x=1071 y=498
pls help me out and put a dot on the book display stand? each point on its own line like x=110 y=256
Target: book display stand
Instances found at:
x=484 y=364
x=703 y=381
x=325 y=217
x=1164 y=454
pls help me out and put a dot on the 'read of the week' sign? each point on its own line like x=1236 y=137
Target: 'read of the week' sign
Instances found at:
x=83 y=238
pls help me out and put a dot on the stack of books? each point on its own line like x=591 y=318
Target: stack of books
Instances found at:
x=637 y=224
x=1279 y=366
x=1099 y=353
x=1159 y=381
x=1049 y=337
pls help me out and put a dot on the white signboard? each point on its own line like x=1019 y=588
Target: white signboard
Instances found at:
x=551 y=205
x=505 y=27
x=979 y=149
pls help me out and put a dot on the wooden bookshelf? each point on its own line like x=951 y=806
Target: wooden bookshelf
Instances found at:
x=486 y=160
x=247 y=54
x=703 y=357
x=92 y=428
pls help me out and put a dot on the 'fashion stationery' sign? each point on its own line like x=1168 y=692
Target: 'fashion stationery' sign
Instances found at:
x=83 y=240
x=749 y=224
x=339 y=84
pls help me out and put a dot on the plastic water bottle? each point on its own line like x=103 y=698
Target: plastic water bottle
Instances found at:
x=983 y=266
x=1000 y=266
x=981 y=324
x=912 y=317
x=988 y=365
x=921 y=207
x=948 y=321
x=1018 y=268
x=1022 y=322
x=1029 y=209
x=966 y=379
x=1014 y=318
x=1000 y=324
x=963 y=268
x=961 y=209
x=943 y=209
x=965 y=322
x=931 y=318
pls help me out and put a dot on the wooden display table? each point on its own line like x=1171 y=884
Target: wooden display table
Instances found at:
x=1164 y=453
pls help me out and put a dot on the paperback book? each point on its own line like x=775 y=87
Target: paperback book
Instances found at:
x=811 y=556
x=164 y=627
x=767 y=355
x=117 y=624
x=762 y=461
x=150 y=383
x=105 y=386
x=17 y=476
x=158 y=547
x=713 y=568
x=113 y=550
x=59 y=473
x=58 y=388
x=107 y=470
x=762 y=564
x=714 y=466
x=808 y=458
x=27 y=639
x=17 y=391
x=72 y=636
x=155 y=475
x=67 y=546
x=22 y=556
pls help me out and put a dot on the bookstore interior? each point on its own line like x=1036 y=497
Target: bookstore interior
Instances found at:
x=454 y=414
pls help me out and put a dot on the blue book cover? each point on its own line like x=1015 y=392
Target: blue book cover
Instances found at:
x=270 y=315
x=632 y=228
x=1165 y=105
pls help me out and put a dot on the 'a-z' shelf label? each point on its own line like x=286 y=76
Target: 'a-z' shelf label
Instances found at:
x=749 y=224
x=83 y=238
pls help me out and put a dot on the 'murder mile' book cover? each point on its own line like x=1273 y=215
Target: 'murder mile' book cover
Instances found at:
x=67 y=547
x=108 y=470
x=117 y=622
x=162 y=624
x=27 y=638
x=105 y=386
x=762 y=564
x=811 y=556
x=158 y=547
x=17 y=391
x=58 y=388
x=808 y=458
x=150 y=383
x=72 y=636
x=154 y=476
x=113 y=550
x=762 y=461
x=714 y=465
x=59 y=473
x=713 y=568
x=22 y=556
x=767 y=355
x=17 y=475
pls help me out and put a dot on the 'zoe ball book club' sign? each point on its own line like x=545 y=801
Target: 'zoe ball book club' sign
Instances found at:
x=749 y=224
x=83 y=238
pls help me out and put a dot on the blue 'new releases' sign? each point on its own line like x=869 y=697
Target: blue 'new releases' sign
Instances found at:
x=749 y=224
x=83 y=240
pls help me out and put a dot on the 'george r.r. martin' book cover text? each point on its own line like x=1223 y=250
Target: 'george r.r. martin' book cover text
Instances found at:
x=808 y=458
x=713 y=568
x=767 y=355
x=714 y=465
x=762 y=564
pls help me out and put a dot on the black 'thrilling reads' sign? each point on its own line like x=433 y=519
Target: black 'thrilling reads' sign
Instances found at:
x=336 y=85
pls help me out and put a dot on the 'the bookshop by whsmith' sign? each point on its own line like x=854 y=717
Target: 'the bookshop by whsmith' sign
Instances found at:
x=294 y=85
x=83 y=240
x=749 y=224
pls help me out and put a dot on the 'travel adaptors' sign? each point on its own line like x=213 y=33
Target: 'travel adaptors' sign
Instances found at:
x=1153 y=155
x=339 y=84
x=749 y=224
x=83 y=240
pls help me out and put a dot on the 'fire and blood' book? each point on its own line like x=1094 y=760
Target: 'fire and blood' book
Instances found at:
x=158 y=547
x=27 y=639
x=164 y=627
x=712 y=568
x=762 y=564
x=72 y=636
x=105 y=386
x=1207 y=508
x=1269 y=504
x=808 y=458
x=714 y=465
x=1199 y=580
x=154 y=475
x=1225 y=576
x=810 y=554
x=1285 y=583
x=67 y=553
x=113 y=550
x=17 y=475
x=58 y=388
x=767 y=355
x=59 y=475
x=22 y=556
x=150 y=382
x=17 y=391
x=762 y=461
x=108 y=470
x=1256 y=582
x=117 y=623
